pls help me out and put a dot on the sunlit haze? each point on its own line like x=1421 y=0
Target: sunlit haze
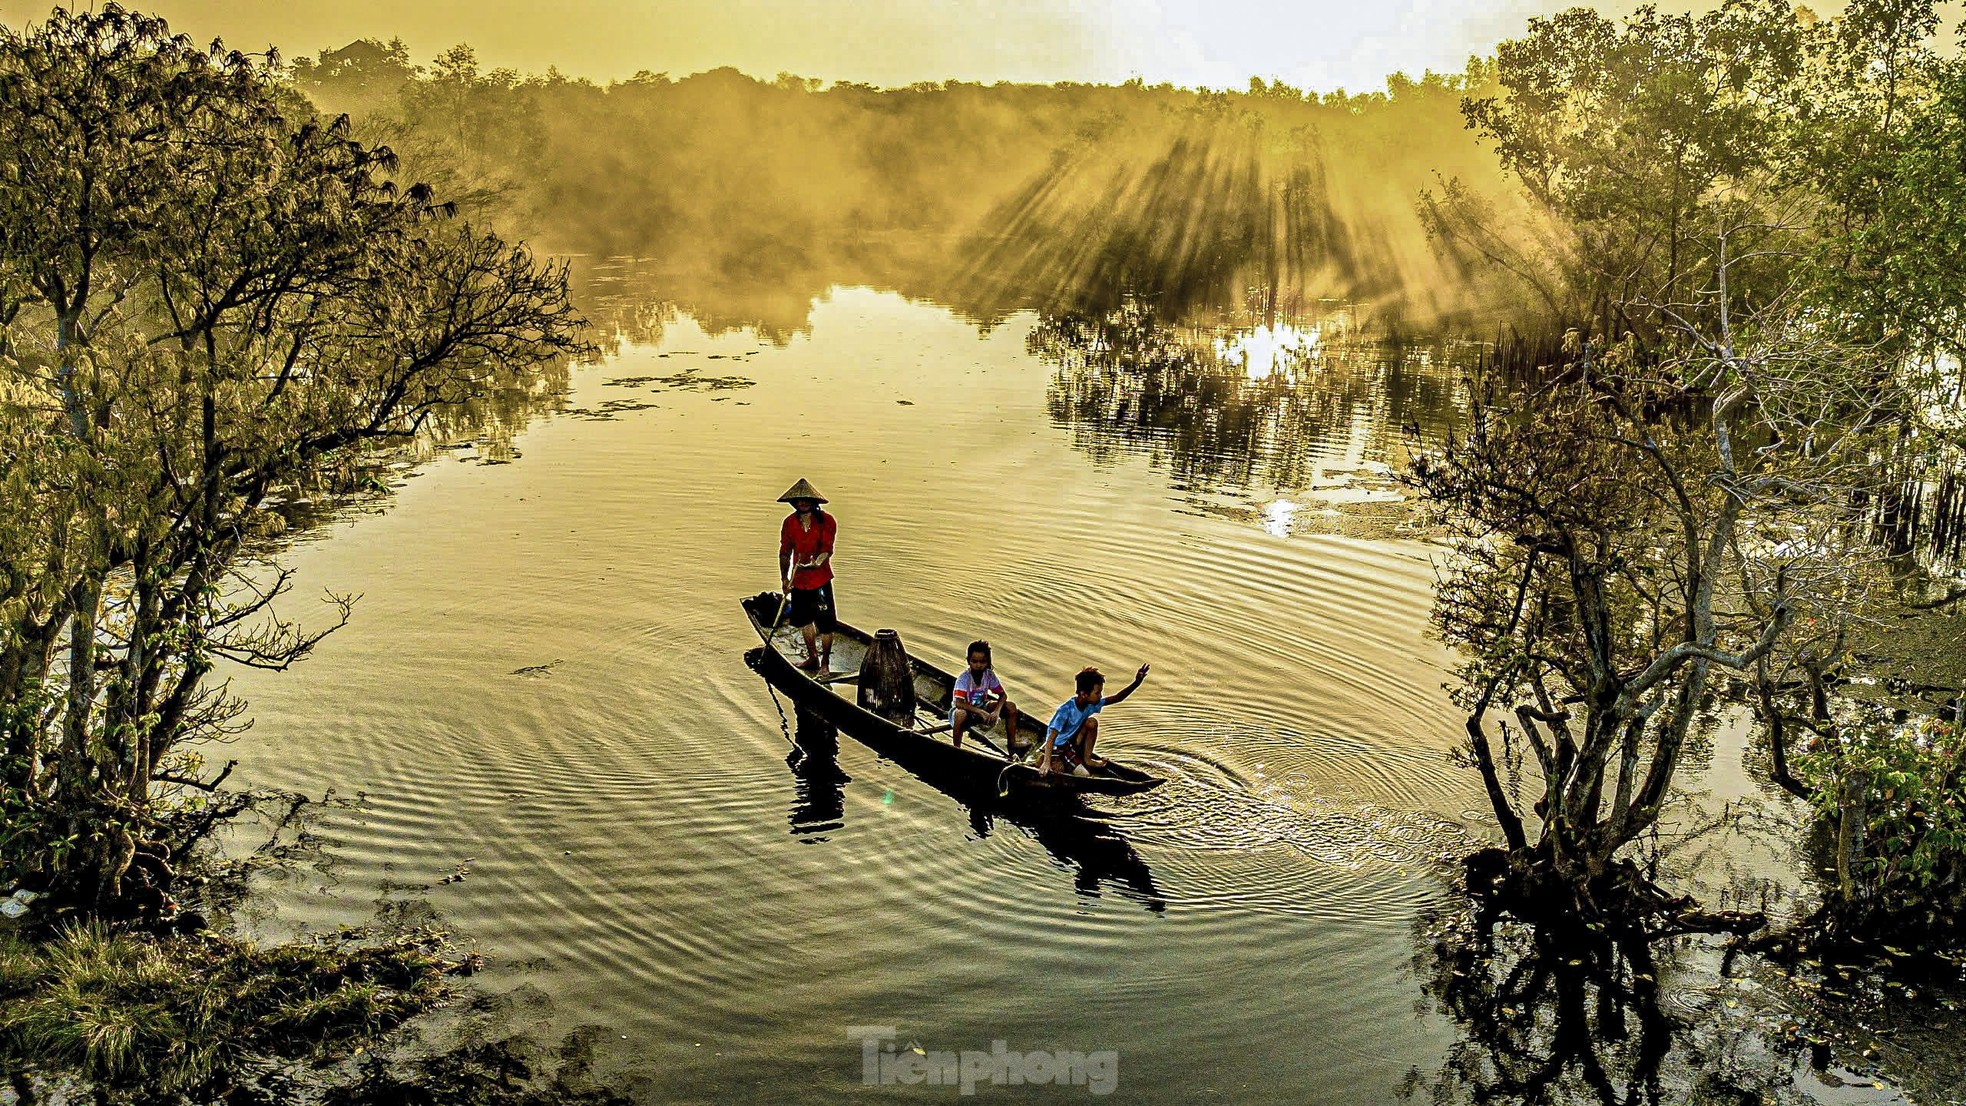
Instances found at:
x=1320 y=44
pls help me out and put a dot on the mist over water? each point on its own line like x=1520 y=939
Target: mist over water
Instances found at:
x=989 y=197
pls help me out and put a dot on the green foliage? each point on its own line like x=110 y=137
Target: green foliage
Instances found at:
x=1625 y=121
x=1686 y=485
x=212 y=300
x=1635 y=138
x=1902 y=787
x=1629 y=135
x=1892 y=161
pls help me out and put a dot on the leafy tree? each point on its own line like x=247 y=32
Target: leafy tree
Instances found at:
x=1623 y=528
x=366 y=73
x=211 y=297
x=1627 y=137
x=1691 y=486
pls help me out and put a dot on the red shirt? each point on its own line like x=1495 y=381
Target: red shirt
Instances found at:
x=804 y=544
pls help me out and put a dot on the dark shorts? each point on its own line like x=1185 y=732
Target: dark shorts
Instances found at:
x=813 y=607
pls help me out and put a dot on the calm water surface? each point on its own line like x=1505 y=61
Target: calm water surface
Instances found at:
x=543 y=684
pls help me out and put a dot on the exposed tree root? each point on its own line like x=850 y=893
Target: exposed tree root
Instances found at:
x=1621 y=903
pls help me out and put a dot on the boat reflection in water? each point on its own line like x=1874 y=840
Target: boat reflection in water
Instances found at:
x=820 y=807
x=1077 y=836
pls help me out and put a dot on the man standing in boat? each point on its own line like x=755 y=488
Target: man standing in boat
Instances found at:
x=979 y=699
x=805 y=564
x=1073 y=729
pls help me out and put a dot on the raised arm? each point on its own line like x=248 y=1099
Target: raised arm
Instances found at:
x=1139 y=678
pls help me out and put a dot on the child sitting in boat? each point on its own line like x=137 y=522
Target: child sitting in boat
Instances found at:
x=979 y=699
x=1073 y=730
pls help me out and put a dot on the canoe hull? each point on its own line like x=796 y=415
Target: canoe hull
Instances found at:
x=914 y=750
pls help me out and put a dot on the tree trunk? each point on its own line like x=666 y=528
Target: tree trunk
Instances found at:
x=1498 y=799
x=77 y=765
x=1852 y=816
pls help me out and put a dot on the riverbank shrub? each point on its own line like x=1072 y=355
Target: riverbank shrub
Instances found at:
x=132 y=1012
x=1890 y=798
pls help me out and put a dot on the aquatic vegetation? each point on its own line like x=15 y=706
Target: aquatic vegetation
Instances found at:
x=130 y=1012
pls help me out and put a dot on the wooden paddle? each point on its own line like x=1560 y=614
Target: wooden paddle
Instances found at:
x=784 y=727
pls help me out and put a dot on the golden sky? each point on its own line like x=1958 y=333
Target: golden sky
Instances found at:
x=1316 y=44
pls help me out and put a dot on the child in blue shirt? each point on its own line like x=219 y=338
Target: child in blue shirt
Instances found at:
x=1073 y=728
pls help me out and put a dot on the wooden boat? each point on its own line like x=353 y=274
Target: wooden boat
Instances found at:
x=925 y=746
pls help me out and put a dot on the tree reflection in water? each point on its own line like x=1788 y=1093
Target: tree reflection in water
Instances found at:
x=1265 y=406
x=1555 y=1015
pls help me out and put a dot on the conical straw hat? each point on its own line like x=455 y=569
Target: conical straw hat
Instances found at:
x=802 y=490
